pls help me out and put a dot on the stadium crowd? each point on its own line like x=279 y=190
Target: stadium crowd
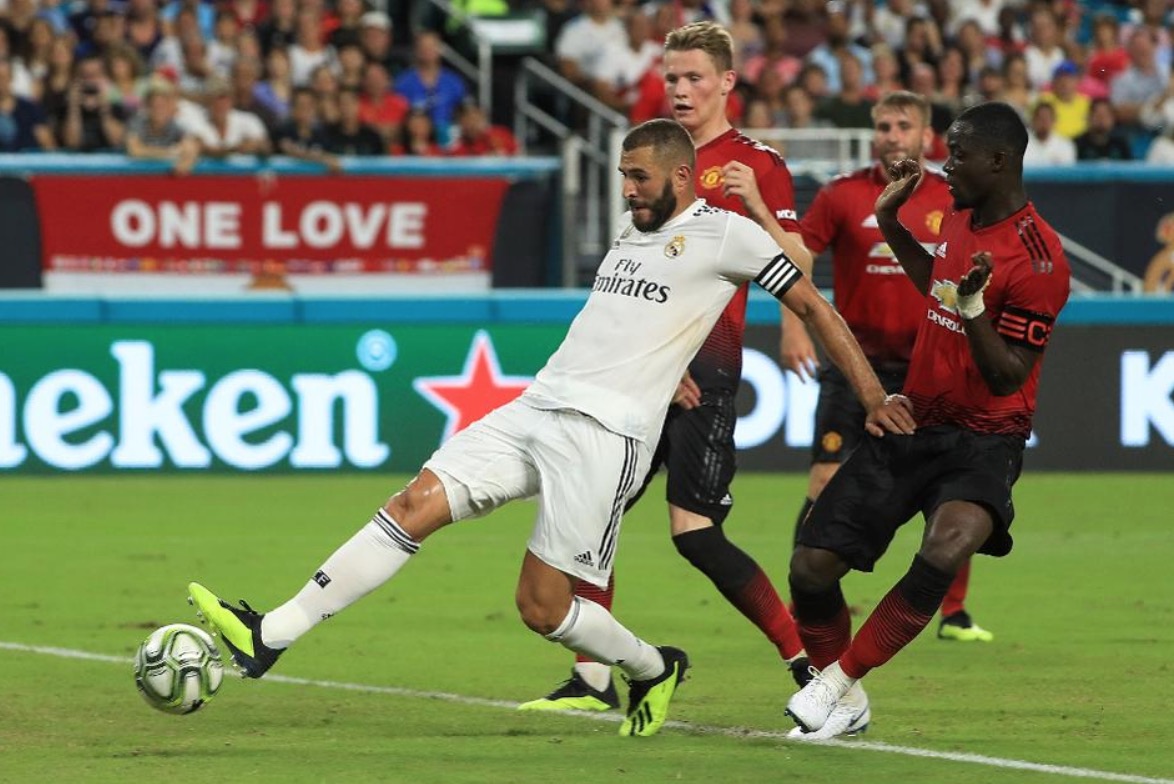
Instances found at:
x=181 y=79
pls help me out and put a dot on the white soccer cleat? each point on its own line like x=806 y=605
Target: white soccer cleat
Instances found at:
x=811 y=706
x=851 y=716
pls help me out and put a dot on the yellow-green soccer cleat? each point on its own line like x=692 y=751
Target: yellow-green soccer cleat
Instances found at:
x=648 y=701
x=960 y=627
x=240 y=629
x=575 y=694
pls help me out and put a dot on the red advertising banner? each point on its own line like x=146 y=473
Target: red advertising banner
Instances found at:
x=307 y=225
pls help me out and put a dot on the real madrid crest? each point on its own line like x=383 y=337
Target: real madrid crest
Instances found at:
x=675 y=247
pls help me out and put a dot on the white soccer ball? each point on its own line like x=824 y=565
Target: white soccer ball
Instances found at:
x=178 y=668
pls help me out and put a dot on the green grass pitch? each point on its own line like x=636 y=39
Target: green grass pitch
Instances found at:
x=1078 y=682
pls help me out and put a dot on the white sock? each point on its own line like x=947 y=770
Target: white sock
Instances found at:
x=366 y=561
x=596 y=675
x=592 y=631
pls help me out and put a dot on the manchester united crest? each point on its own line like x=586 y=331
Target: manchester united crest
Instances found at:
x=711 y=178
x=933 y=221
x=675 y=247
x=832 y=441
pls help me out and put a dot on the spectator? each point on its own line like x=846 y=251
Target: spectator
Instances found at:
x=301 y=135
x=222 y=49
x=983 y=14
x=279 y=30
x=417 y=136
x=309 y=52
x=1017 y=89
x=1158 y=112
x=1140 y=82
x=55 y=85
x=248 y=13
x=1045 y=146
x=244 y=79
x=379 y=106
x=276 y=90
x=1043 y=52
x=617 y=82
x=836 y=44
x=886 y=73
x=144 y=29
x=1154 y=17
x=196 y=68
x=431 y=85
x=154 y=133
x=109 y=29
x=1161 y=152
x=22 y=123
x=1071 y=106
x=953 y=80
x=975 y=55
x=124 y=72
x=813 y=79
x=847 y=108
x=890 y=21
x=746 y=32
x=23 y=84
x=923 y=44
x=168 y=53
x=350 y=135
x=774 y=56
x=325 y=86
x=376 y=38
x=924 y=81
x=91 y=122
x=350 y=14
x=989 y=87
x=582 y=42
x=204 y=14
x=351 y=62
x=38 y=49
x=799 y=109
x=1009 y=41
x=477 y=136
x=227 y=130
x=1106 y=57
x=1102 y=140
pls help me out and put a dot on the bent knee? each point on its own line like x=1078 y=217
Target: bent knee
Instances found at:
x=814 y=570
x=542 y=617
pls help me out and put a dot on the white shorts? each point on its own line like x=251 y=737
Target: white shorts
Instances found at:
x=582 y=473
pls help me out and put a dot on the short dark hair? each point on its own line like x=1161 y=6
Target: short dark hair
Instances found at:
x=997 y=126
x=668 y=139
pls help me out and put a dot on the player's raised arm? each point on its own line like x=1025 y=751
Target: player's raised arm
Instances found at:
x=886 y=413
x=916 y=260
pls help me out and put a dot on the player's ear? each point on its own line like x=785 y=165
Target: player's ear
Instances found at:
x=729 y=79
x=682 y=176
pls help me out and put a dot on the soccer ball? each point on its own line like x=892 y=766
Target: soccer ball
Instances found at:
x=178 y=668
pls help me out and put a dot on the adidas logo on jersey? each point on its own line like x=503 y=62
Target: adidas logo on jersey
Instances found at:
x=585 y=559
x=727 y=500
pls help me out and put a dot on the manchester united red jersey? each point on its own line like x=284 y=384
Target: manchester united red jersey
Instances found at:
x=1028 y=287
x=872 y=292
x=719 y=361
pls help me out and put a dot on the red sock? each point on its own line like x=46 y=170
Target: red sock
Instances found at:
x=601 y=596
x=759 y=601
x=826 y=640
x=956 y=595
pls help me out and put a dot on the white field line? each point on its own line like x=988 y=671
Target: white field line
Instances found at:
x=730 y=732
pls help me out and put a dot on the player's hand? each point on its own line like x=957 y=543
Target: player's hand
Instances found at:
x=738 y=180
x=894 y=414
x=688 y=394
x=979 y=276
x=797 y=352
x=973 y=283
x=904 y=176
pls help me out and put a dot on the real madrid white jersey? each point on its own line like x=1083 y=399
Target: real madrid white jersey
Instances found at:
x=656 y=296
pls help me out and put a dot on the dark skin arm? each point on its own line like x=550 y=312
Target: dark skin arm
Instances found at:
x=1004 y=367
x=915 y=260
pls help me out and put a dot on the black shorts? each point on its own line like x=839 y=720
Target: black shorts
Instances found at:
x=887 y=481
x=697 y=448
x=839 y=417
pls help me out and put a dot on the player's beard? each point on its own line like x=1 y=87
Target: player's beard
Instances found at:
x=661 y=210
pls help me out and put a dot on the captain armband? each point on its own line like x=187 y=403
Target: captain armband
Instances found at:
x=779 y=275
x=1025 y=328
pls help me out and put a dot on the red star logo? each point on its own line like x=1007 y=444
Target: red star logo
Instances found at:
x=479 y=388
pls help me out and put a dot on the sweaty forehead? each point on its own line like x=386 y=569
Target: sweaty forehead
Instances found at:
x=682 y=61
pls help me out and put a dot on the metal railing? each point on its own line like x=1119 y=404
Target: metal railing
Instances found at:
x=587 y=150
x=1089 y=269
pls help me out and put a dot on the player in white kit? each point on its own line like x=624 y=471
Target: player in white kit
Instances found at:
x=581 y=436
